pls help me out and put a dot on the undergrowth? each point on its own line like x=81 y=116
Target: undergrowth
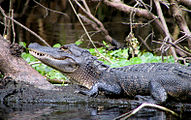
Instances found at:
x=121 y=58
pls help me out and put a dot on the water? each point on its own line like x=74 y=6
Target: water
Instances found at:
x=73 y=112
x=26 y=111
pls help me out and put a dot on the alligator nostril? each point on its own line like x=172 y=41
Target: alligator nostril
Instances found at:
x=64 y=47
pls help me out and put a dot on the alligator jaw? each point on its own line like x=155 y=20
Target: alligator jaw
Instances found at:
x=64 y=63
x=41 y=55
x=37 y=54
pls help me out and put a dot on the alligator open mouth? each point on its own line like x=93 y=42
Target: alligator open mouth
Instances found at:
x=39 y=55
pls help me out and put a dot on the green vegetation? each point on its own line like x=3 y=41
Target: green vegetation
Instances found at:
x=121 y=58
x=118 y=57
x=1 y=75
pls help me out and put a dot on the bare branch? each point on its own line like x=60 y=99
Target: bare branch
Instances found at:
x=184 y=37
x=101 y=26
x=133 y=112
x=18 y=23
x=139 y=12
x=144 y=41
x=13 y=27
x=168 y=35
x=90 y=22
x=186 y=2
x=87 y=32
x=55 y=11
x=177 y=14
x=174 y=45
x=86 y=6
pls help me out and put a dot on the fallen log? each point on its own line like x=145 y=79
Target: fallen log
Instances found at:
x=18 y=69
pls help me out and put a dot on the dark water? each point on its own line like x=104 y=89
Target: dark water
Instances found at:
x=77 y=112
x=28 y=111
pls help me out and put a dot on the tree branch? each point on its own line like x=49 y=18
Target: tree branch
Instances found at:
x=139 y=12
x=87 y=32
x=55 y=11
x=177 y=14
x=100 y=25
x=185 y=2
x=18 y=23
x=168 y=35
x=133 y=112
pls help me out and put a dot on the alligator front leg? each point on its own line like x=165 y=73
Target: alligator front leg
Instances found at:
x=158 y=92
x=107 y=89
x=93 y=92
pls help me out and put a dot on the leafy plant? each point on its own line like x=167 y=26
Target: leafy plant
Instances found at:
x=78 y=42
x=1 y=75
x=57 y=45
x=121 y=58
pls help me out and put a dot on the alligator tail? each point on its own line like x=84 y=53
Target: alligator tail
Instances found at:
x=185 y=72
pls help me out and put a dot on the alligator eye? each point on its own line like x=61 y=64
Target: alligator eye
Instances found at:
x=64 y=48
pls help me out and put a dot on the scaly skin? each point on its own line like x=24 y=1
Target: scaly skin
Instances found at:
x=159 y=80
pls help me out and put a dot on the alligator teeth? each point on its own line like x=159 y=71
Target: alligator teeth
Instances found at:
x=43 y=55
x=40 y=54
x=37 y=54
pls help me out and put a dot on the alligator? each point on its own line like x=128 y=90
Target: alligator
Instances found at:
x=160 y=81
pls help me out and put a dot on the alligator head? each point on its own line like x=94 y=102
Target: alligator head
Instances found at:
x=65 y=59
x=68 y=59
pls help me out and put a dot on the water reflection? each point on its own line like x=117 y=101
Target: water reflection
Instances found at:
x=76 y=112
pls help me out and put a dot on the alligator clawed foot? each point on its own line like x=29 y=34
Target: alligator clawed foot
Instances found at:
x=143 y=99
x=88 y=93
x=76 y=91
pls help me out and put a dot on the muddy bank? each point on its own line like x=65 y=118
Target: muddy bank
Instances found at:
x=21 y=92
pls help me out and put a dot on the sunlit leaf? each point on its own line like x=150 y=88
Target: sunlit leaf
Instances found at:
x=78 y=42
x=22 y=44
x=57 y=45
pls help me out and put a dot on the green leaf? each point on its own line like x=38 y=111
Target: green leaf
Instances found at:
x=22 y=44
x=78 y=42
x=92 y=50
x=106 y=45
x=57 y=45
x=135 y=60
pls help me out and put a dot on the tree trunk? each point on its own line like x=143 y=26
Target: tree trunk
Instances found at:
x=18 y=69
